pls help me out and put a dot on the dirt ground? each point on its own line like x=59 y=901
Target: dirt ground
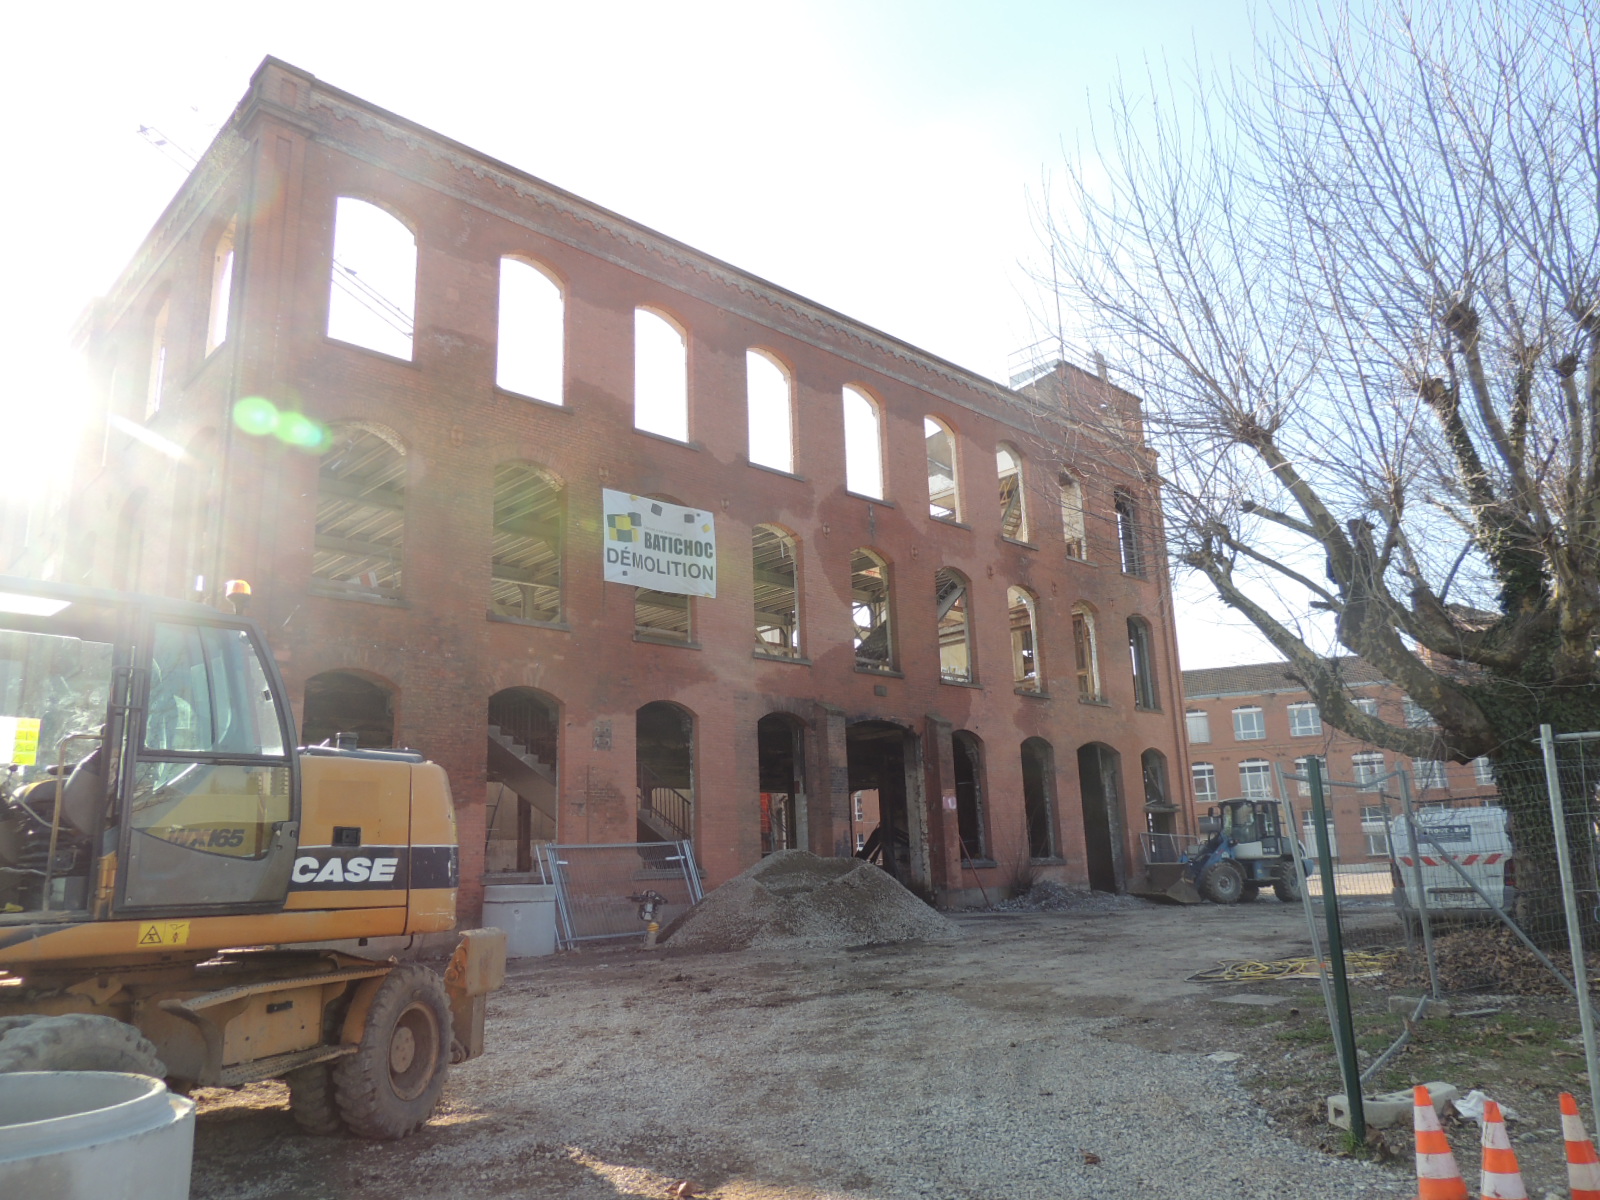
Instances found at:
x=617 y=1073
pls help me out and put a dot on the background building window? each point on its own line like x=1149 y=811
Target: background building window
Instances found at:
x=1302 y=767
x=1305 y=720
x=1365 y=770
x=1249 y=725
x=1483 y=771
x=1199 y=725
x=1375 y=828
x=1367 y=705
x=1204 y=776
x=1255 y=778
x=1417 y=717
x=1308 y=834
x=1428 y=773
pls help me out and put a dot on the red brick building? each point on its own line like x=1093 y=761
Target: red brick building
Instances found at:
x=1242 y=721
x=388 y=381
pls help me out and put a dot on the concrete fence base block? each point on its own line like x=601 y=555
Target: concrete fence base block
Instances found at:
x=1388 y=1108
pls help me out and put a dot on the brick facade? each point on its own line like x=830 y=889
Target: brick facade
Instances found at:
x=181 y=499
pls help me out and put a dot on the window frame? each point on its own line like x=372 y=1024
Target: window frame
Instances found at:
x=1259 y=714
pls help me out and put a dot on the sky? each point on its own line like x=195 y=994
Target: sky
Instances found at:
x=885 y=158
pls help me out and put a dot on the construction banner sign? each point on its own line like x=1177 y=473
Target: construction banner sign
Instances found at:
x=653 y=544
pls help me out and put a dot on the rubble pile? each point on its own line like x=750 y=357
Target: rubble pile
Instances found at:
x=794 y=896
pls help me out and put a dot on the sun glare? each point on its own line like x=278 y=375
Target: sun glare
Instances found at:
x=43 y=414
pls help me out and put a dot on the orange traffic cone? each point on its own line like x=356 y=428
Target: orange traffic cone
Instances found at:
x=1438 y=1177
x=1583 y=1167
x=1502 y=1178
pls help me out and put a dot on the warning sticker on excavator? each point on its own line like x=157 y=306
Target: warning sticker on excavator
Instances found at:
x=19 y=740
x=163 y=933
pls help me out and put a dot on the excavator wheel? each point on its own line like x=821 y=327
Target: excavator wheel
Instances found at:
x=77 y=1042
x=1222 y=883
x=1286 y=886
x=311 y=1100
x=391 y=1084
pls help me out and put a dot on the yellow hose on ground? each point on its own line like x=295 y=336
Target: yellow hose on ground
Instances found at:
x=1358 y=964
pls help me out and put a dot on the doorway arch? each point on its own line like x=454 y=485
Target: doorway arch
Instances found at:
x=523 y=760
x=664 y=760
x=1100 y=785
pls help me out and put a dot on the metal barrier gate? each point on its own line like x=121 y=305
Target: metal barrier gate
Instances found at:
x=599 y=889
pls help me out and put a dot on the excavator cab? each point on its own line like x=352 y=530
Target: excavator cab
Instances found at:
x=146 y=766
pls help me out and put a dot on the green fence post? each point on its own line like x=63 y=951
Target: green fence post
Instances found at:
x=1346 y=1042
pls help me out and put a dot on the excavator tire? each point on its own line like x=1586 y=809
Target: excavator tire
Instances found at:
x=1286 y=886
x=391 y=1084
x=77 y=1042
x=1222 y=883
x=311 y=1100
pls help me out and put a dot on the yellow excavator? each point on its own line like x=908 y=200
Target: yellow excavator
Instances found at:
x=187 y=894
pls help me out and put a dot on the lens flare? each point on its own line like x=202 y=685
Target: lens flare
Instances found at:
x=256 y=415
x=302 y=432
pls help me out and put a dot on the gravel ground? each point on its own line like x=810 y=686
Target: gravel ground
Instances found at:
x=1058 y=1055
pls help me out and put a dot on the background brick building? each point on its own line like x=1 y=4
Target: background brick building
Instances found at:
x=1243 y=720
x=386 y=379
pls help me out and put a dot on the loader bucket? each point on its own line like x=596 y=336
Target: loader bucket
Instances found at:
x=1168 y=882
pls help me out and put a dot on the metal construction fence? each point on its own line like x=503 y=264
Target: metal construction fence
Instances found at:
x=601 y=891
x=1467 y=886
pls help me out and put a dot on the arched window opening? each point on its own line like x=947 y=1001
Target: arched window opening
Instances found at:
x=660 y=376
x=361 y=512
x=221 y=288
x=1013 y=493
x=372 y=299
x=664 y=757
x=1025 y=673
x=158 y=360
x=944 y=495
x=1130 y=538
x=530 y=347
x=1086 y=654
x=971 y=819
x=1038 y=797
x=780 y=753
x=1160 y=812
x=522 y=800
x=775 y=576
x=955 y=627
x=662 y=616
x=525 y=563
x=769 y=403
x=346 y=709
x=869 y=611
x=1142 y=655
x=1072 y=516
x=863 y=444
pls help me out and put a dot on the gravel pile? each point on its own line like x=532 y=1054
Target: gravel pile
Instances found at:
x=795 y=897
x=1046 y=895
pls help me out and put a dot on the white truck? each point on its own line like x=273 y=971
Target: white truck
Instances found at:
x=1477 y=840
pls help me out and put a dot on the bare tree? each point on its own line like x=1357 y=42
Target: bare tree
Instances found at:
x=1358 y=285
